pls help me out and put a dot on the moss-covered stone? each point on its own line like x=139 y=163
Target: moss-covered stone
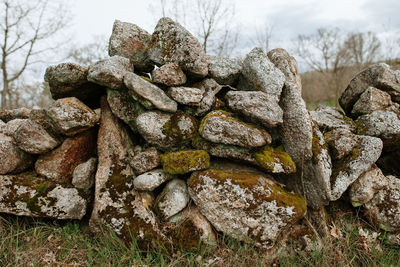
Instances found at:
x=275 y=160
x=185 y=161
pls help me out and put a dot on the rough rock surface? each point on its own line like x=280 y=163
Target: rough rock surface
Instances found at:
x=149 y=181
x=7 y=115
x=247 y=205
x=365 y=187
x=110 y=72
x=59 y=164
x=210 y=88
x=11 y=126
x=185 y=161
x=172 y=199
x=145 y=161
x=130 y=41
x=71 y=116
x=172 y=43
x=28 y=195
x=329 y=118
x=372 y=100
x=220 y=127
x=83 y=175
x=275 y=160
x=12 y=159
x=31 y=137
x=187 y=95
x=169 y=74
x=148 y=94
x=257 y=106
x=341 y=142
x=225 y=70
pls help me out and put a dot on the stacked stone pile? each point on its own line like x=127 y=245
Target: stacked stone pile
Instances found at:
x=172 y=145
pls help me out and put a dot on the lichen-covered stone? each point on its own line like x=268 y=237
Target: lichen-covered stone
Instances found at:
x=379 y=76
x=41 y=117
x=246 y=205
x=221 y=127
x=28 y=195
x=185 y=161
x=7 y=115
x=187 y=95
x=145 y=161
x=225 y=70
x=296 y=127
x=83 y=175
x=347 y=170
x=31 y=137
x=130 y=41
x=172 y=43
x=329 y=118
x=365 y=187
x=275 y=160
x=384 y=207
x=59 y=164
x=341 y=142
x=169 y=74
x=11 y=126
x=149 y=181
x=149 y=95
x=71 y=116
x=260 y=74
x=173 y=199
x=166 y=130
x=210 y=88
x=12 y=159
x=257 y=106
x=372 y=100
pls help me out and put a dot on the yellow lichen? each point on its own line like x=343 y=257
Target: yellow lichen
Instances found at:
x=268 y=157
x=185 y=161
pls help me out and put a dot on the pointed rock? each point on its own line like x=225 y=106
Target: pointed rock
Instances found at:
x=145 y=161
x=210 y=89
x=172 y=199
x=12 y=159
x=83 y=175
x=169 y=74
x=225 y=70
x=372 y=100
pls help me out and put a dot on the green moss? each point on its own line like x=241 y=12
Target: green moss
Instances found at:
x=174 y=132
x=268 y=157
x=185 y=161
x=317 y=148
x=147 y=79
x=342 y=165
x=186 y=236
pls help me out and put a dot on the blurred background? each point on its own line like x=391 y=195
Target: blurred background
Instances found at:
x=331 y=40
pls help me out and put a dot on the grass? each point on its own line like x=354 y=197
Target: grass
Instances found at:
x=330 y=103
x=33 y=242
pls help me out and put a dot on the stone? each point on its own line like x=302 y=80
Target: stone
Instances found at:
x=70 y=80
x=171 y=42
x=225 y=70
x=341 y=142
x=329 y=118
x=187 y=95
x=7 y=115
x=366 y=186
x=149 y=181
x=257 y=106
x=41 y=117
x=246 y=205
x=116 y=204
x=12 y=159
x=11 y=126
x=185 y=161
x=28 y=195
x=71 y=116
x=382 y=124
x=379 y=76
x=221 y=127
x=130 y=41
x=166 y=130
x=149 y=95
x=83 y=175
x=260 y=74
x=145 y=161
x=110 y=72
x=384 y=207
x=296 y=129
x=347 y=170
x=275 y=160
x=32 y=138
x=59 y=164
x=173 y=199
x=169 y=74
x=210 y=88
x=372 y=100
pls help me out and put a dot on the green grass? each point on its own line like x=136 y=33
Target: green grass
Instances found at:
x=330 y=103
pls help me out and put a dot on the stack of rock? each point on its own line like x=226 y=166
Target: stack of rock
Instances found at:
x=189 y=144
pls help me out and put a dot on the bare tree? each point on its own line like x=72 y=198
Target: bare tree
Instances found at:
x=91 y=52
x=25 y=27
x=263 y=36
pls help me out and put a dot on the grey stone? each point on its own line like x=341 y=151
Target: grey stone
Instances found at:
x=372 y=100
x=11 y=126
x=110 y=72
x=210 y=88
x=256 y=106
x=145 y=161
x=172 y=43
x=12 y=159
x=221 y=127
x=225 y=70
x=187 y=95
x=130 y=41
x=149 y=181
x=83 y=175
x=329 y=118
x=7 y=115
x=341 y=142
x=173 y=199
x=169 y=74
x=148 y=94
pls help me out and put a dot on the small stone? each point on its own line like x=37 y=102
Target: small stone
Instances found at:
x=372 y=100
x=41 y=117
x=31 y=137
x=11 y=126
x=7 y=115
x=71 y=116
x=83 y=175
x=110 y=72
x=172 y=43
x=341 y=142
x=12 y=159
x=225 y=70
x=210 y=88
x=149 y=95
x=186 y=95
x=145 y=161
x=169 y=74
x=275 y=160
x=149 y=181
x=172 y=199
x=329 y=118
x=220 y=127
x=185 y=161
